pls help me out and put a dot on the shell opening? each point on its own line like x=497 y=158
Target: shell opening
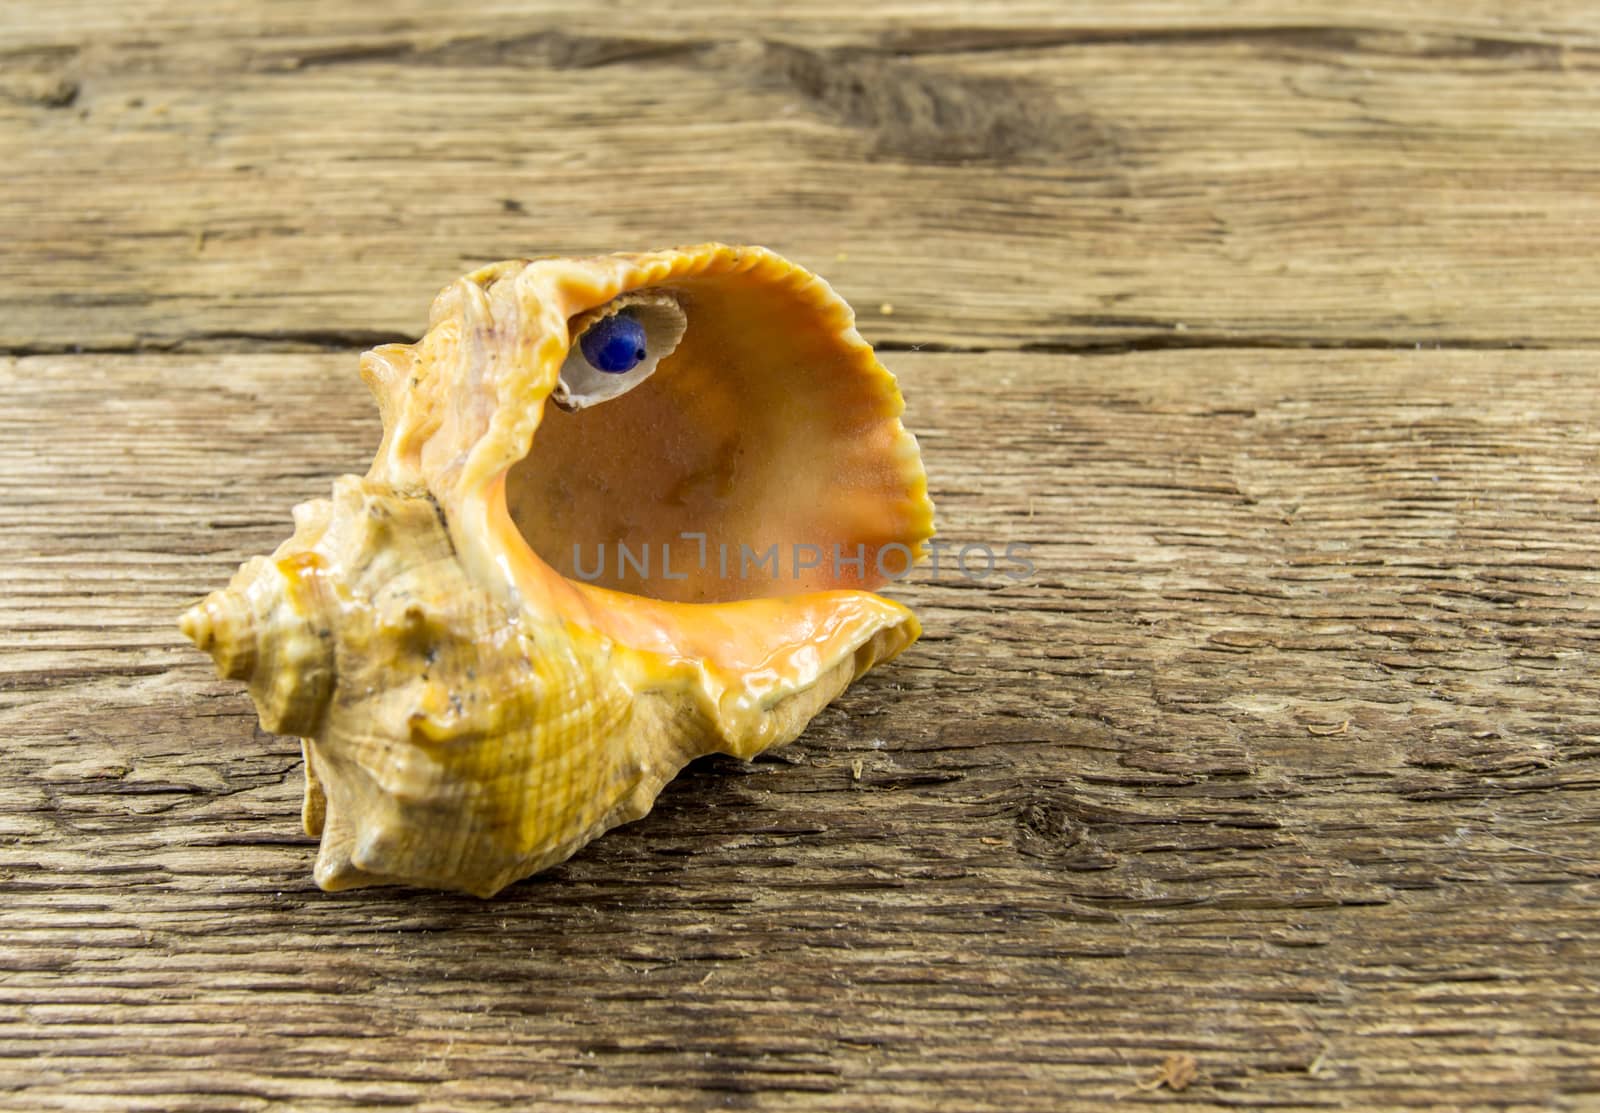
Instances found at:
x=759 y=455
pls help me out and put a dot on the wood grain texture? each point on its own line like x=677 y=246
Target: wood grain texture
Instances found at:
x=1275 y=784
x=1285 y=758
x=1016 y=174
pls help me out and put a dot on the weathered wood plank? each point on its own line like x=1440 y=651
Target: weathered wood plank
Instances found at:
x=1286 y=757
x=1020 y=174
x=911 y=24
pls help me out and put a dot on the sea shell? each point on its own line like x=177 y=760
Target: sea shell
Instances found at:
x=475 y=700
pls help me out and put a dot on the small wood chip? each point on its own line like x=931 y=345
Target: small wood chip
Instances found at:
x=1176 y=1073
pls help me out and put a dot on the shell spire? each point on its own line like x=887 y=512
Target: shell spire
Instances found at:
x=477 y=698
x=267 y=629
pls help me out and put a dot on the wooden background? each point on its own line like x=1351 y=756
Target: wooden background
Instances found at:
x=1273 y=328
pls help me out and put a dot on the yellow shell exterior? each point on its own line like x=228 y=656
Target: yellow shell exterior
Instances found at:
x=469 y=714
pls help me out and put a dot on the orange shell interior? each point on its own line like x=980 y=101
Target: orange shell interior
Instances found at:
x=767 y=426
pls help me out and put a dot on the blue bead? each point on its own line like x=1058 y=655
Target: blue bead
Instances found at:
x=615 y=344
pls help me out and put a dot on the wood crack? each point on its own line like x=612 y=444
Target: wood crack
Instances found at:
x=334 y=340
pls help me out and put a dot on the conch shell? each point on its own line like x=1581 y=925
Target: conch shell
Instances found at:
x=476 y=699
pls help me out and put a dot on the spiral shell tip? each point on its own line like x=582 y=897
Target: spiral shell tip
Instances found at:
x=221 y=626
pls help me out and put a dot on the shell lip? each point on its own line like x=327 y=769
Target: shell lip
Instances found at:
x=580 y=291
